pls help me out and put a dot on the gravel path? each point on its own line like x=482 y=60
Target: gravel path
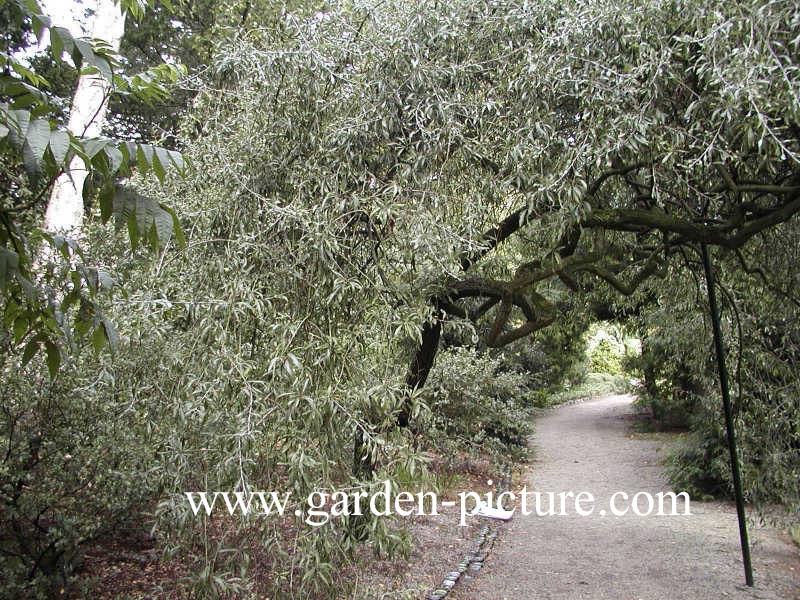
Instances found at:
x=589 y=447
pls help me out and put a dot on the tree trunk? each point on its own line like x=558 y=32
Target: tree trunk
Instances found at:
x=425 y=354
x=421 y=366
x=65 y=210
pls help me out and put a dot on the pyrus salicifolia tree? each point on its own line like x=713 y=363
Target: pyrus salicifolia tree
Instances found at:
x=359 y=176
x=614 y=138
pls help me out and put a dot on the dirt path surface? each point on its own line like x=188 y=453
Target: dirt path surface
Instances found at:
x=589 y=447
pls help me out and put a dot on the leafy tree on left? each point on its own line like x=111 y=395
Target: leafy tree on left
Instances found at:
x=49 y=296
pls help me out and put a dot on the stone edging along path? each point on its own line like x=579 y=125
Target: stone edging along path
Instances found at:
x=471 y=564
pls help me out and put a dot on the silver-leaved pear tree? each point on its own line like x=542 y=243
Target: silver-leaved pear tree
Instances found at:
x=363 y=178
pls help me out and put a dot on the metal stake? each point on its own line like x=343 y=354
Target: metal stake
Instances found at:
x=726 y=402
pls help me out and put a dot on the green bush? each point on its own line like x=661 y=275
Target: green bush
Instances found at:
x=539 y=399
x=78 y=465
x=607 y=357
x=699 y=465
x=681 y=387
x=768 y=444
x=477 y=404
x=555 y=354
x=676 y=371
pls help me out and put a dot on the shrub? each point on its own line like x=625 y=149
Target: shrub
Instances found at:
x=699 y=464
x=607 y=358
x=676 y=370
x=478 y=404
x=78 y=465
x=682 y=387
x=768 y=444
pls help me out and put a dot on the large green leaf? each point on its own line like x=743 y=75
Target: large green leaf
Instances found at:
x=29 y=126
x=144 y=218
x=9 y=266
x=36 y=140
x=17 y=122
x=52 y=358
x=59 y=145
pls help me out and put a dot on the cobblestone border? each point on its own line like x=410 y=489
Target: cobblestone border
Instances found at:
x=473 y=560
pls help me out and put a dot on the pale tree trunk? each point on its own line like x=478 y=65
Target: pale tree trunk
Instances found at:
x=65 y=212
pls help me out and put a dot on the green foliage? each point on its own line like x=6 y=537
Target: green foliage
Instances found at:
x=606 y=357
x=189 y=32
x=478 y=404
x=75 y=469
x=562 y=351
x=700 y=464
x=344 y=168
x=36 y=149
x=682 y=387
x=612 y=350
x=554 y=355
x=676 y=360
x=80 y=456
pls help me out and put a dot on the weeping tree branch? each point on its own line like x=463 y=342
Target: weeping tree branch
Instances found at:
x=727 y=235
x=539 y=312
x=650 y=268
x=503 y=297
x=423 y=359
x=525 y=214
x=497 y=235
x=764 y=279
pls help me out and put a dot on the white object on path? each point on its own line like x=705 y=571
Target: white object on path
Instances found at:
x=485 y=510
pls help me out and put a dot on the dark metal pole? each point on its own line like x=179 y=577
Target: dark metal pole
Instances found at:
x=726 y=402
